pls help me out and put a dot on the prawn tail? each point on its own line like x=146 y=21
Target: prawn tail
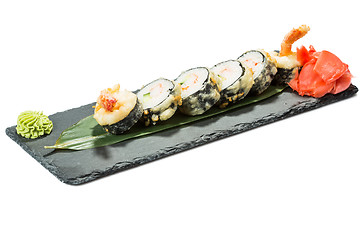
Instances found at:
x=294 y=35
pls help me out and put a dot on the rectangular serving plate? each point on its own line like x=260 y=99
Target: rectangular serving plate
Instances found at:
x=78 y=167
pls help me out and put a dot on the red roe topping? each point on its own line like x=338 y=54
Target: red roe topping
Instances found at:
x=322 y=73
x=107 y=100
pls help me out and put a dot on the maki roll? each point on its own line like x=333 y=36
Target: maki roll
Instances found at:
x=286 y=60
x=159 y=99
x=263 y=69
x=117 y=111
x=287 y=67
x=234 y=79
x=199 y=91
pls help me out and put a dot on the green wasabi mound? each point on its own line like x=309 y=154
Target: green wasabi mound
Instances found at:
x=33 y=124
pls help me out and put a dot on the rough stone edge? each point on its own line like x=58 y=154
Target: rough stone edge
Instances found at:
x=11 y=132
x=50 y=167
x=206 y=138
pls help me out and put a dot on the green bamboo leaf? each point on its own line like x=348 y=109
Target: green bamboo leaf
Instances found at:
x=87 y=133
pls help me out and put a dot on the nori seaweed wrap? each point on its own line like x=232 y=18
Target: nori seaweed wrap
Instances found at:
x=199 y=92
x=263 y=69
x=234 y=79
x=117 y=111
x=160 y=99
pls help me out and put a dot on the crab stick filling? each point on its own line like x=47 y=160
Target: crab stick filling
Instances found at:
x=192 y=81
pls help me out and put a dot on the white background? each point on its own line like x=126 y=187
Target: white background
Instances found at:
x=294 y=179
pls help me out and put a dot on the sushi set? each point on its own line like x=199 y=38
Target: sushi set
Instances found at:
x=125 y=129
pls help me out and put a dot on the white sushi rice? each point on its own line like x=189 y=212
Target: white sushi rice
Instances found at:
x=253 y=60
x=226 y=73
x=192 y=81
x=154 y=93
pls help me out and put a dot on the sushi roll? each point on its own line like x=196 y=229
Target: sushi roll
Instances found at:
x=263 y=69
x=285 y=59
x=199 y=92
x=287 y=67
x=159 y=99
x=234 y=79
x=117 y=111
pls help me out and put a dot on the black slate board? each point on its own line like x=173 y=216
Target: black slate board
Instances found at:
x=77 y=167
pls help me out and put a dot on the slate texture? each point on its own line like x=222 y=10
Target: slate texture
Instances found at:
x=78 y=167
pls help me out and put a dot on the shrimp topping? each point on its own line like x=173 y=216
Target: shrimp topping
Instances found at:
x=294 y=35
x=106 y=99
x=114 y=105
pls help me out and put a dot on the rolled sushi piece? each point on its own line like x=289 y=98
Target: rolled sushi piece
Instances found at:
x=117 y=111
x=159 y=99
x=234 y=79
x=263 y=69
x=199 y=92
x=287 y=67
x=285 y=59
